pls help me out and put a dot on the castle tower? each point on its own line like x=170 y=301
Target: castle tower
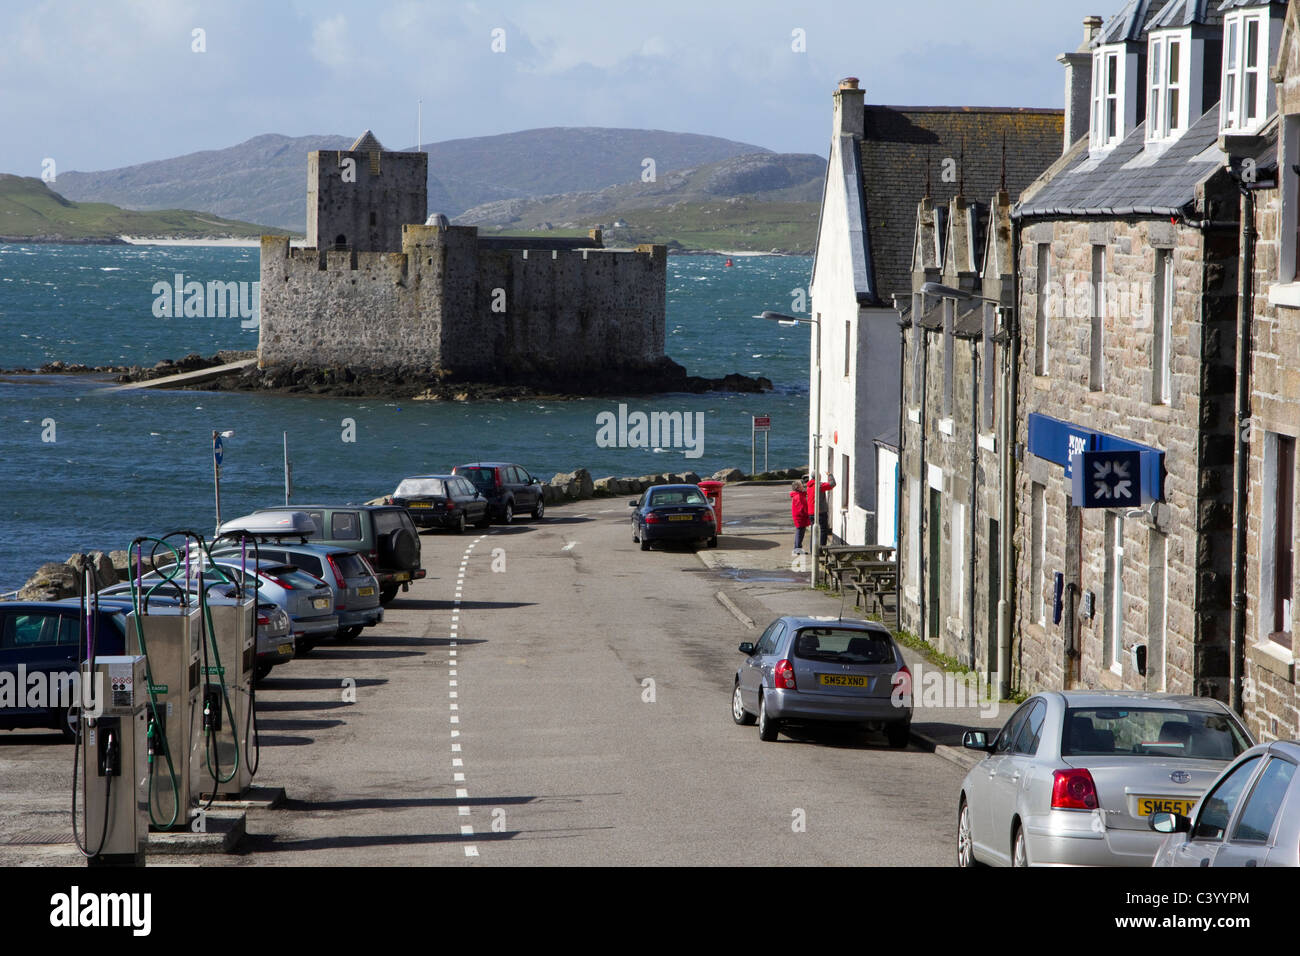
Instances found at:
x=360 y=198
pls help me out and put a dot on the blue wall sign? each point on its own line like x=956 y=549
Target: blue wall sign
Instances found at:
x=1063 y=443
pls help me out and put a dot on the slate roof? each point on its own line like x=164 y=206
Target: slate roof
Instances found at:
x=1186 y=13
x=1239 y=4
x=1130 y=23
x=902 y=146
x=366 y=141
x=1130 y=180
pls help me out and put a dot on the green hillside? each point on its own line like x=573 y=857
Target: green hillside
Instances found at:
x=29 y=209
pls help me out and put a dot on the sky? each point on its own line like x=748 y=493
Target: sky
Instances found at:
x=98 y=84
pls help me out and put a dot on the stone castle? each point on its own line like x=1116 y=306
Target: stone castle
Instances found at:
x=379 y=287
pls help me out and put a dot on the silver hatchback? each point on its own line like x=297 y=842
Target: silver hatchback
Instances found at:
x=1073 y=776
x=1249 y=817
x=812 y=670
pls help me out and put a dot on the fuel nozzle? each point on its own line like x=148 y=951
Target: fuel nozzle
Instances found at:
x=151 y=735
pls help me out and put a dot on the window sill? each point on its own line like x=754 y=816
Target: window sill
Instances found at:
x=945 y=426
x=1273 y=658
x=1285 y=294
x=914 y=416
x=989 y=442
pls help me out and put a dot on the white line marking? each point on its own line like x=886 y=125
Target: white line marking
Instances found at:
x=452 y=683
x=458 y=778
x=457 y=762
x=463 y=811
x=466 y=829
x=462 y=793
x=453 y=695
x=569 y=546
x=455 y=748
x=455 y=719
x=471 y=851
x=455 y=733
x=455 y=706
x=452 y=672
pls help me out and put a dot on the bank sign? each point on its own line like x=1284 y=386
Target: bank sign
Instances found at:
x=1104 y=471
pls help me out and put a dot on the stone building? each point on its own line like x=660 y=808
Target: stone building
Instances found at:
x=1265 y=657
x=380 y=288
x=883 y=160
x=953 y=374
x=1128 y=271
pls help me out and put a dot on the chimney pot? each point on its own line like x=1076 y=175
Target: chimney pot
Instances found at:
x=849 y=83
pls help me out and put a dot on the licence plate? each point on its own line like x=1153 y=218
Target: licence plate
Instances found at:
x=286 y=650
x=1150 y=805
x=320 y=604
x=365 y=592
x=419 y=504
x=681 y=517
x=844 y=680
x=402 y=576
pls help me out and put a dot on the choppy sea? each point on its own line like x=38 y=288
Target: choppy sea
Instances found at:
x=85 y=468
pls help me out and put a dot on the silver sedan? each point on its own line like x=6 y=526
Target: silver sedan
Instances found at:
x=1073 y=777
x=1250 y=817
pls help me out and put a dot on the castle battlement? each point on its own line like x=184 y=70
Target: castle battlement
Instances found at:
x=442 y=296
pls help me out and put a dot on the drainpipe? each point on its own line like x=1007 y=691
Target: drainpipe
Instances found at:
x=1240 y=463
x=903 y=325
x=923 y=532
x=1006 y=535
x=974 y=484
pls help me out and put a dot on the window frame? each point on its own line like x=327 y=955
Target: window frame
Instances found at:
x=1107 y=103
x=1238 y=70
x=1161 y=83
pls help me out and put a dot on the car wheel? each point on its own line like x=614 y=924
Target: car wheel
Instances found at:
x=484 y=521
x=508 y=513
x=387 y=594
x=539 y=509
x=460 y=523
x=738 y=712
x=261 y=671
x=965 y=842
x=899 y=733
x=1019 y=850
x=767 y=727
x=348 y=633
x=645 y=545
x=68 y=720
x=713 y=542
x=303 y=648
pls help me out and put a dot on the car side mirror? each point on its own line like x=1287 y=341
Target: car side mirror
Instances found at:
x=747 y=649
x=1169 y=823
x=976 y=740
x=631 y=504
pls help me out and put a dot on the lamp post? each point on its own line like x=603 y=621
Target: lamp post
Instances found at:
x=218 y=452
x=792 y=320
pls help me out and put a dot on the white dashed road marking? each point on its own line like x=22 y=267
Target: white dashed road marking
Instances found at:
x=458 y=775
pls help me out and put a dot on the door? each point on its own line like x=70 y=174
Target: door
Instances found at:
x=981 y=784
x=1009 y=775
x=995 y=594
x=761 y=661
x=1210 y=825
x=30 y=644
x=1254 y=831
x=932 y=610
x=1072 y=596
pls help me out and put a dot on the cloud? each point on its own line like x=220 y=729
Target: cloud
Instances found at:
x=329 y=42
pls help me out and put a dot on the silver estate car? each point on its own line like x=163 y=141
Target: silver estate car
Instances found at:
x=810 y=670
x=1073 y=776
x=1249 y=817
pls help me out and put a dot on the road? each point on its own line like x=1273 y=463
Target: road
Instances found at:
x=568 y=705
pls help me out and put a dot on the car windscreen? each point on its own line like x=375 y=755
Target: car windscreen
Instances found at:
x=414 y=487
x=292 y=576
x=661 y=499
x=1148 y=731
x=479 y=477
x=839 y=645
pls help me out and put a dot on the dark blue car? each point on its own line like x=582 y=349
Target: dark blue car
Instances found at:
x=43 y=637
x=674 y=513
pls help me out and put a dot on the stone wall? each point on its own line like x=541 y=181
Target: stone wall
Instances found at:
x=444 y=303
x=390 y=189
x=1195 y=431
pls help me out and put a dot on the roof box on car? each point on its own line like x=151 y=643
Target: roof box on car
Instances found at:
x=272 y=524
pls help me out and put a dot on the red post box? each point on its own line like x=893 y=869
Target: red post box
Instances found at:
x=713 y=491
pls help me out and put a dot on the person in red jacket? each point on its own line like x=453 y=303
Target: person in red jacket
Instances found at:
x=823 y=518
x=799 y=514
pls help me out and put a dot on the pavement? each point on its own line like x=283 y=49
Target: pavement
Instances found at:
x=552 y=695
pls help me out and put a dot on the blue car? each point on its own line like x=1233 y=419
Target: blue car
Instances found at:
x=673 y=513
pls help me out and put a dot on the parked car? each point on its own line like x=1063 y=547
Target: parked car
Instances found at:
x=808 y=670
x=509 y=489
x=1250 y=816
x=442 y=501
x=349 y=575
x=44 y=637
x=673 y=513
x=1073 y=776
x=384 y=534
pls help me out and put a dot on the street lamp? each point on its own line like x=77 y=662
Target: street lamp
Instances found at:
x=218 y=452
x=783 y=319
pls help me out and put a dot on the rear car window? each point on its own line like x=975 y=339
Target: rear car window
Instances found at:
x=292 y=576
x=410 y=487
x=478 y=477
x=843 y=646
x=386 y=521
x=683 y=497
x=345 y=526
x=1144 y=731
x=351 y=565
x=307 y=562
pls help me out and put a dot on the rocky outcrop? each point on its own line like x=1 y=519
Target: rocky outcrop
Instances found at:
x=51 y=582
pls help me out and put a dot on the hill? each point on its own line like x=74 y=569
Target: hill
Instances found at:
x=264 y=179
x=29 y=209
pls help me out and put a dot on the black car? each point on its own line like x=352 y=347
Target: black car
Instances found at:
x=442 y=501
x=44 y=637
x=509 y=489
x=673 y=513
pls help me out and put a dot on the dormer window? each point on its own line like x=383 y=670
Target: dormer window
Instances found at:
x=1107 y=97
x=1170 y=70
x=1245 y=70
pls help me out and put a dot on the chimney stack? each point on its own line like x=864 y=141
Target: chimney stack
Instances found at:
x=848 y=109
x=1078 y=83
